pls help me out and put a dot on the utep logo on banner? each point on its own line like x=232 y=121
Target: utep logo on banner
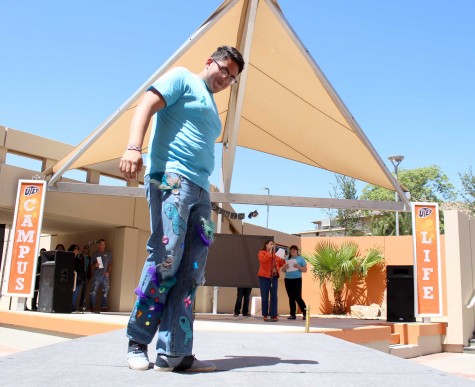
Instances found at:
x=21 y=262
x=428 y=289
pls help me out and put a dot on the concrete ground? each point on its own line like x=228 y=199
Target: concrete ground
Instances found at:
x=244 y=350
x=459 y=364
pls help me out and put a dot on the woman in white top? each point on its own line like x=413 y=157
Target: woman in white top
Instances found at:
x=294 y=266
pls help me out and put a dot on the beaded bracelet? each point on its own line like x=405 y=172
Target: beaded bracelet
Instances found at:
x=134 y=148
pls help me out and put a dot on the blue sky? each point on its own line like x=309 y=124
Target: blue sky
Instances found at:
x=404 y=69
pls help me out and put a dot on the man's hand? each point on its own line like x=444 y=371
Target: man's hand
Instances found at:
x=131 y=164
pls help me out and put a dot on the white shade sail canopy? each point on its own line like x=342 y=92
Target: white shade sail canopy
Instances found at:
x=283 y=104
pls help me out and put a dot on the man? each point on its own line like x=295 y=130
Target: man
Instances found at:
x=242 y=300
x=181 y=158
x=101 y=264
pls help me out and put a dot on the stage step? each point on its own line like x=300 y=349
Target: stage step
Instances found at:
x=395 y=339
x=471 y=347
x=405 y=351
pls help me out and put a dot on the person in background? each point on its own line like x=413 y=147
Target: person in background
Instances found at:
x=102 y=265
x=243 y=294
x=60 y=247
x=88 y=271
x=80 y=274
x=269 y=265
x=294 y=266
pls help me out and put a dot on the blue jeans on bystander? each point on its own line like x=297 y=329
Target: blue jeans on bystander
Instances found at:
x=269 y=286
x=103 y=282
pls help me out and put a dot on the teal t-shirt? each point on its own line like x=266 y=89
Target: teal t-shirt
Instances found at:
x=184 y=132
x=295 y=273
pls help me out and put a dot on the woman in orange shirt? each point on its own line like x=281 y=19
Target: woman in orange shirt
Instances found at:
x=268 y=280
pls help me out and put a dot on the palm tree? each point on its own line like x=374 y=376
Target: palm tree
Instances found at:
x=339 y=264
x=382 y=225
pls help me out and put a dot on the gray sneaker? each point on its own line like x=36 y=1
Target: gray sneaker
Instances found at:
x=137 y=357
x=188 y=363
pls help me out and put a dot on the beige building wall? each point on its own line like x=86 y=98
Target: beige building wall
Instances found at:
x=460 y=275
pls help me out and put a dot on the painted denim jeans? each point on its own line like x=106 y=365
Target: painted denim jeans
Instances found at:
x=181 y=233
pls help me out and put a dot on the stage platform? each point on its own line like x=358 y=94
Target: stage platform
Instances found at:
x=247 y=351
x=378 y=334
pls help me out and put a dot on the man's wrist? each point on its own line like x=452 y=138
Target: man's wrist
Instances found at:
x=134 y=148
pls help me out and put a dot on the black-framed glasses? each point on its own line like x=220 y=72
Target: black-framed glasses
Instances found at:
x=224 y=73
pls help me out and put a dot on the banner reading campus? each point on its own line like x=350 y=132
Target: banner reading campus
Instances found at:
x=428 y=289
x=21 y=262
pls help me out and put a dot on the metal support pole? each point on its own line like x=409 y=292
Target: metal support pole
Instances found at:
x=307 y=319
x=215 y=299
x=396 y=160
x=216 y=288
x=268 y=194
x=397 y=215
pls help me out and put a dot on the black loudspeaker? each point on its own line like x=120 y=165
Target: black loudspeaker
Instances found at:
x=56 y=282
x=400 y=293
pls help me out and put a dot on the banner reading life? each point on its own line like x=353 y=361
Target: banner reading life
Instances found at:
x=21 y=265
x=425 y=222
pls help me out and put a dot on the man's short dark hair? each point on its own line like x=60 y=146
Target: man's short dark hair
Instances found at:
x=228 y=52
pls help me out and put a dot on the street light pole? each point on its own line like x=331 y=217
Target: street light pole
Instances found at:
x=396 y=160
x=268 y=193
